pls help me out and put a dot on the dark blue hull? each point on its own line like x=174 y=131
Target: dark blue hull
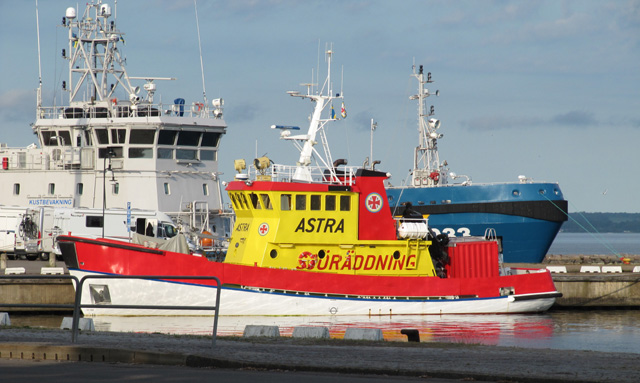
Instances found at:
x=526 y=216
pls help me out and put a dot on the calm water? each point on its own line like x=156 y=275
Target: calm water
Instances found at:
x=592 y=244
x=595 y=330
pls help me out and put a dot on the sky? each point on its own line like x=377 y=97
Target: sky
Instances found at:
x=545 y=89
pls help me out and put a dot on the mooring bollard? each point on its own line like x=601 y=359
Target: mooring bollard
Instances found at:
x=412 y=334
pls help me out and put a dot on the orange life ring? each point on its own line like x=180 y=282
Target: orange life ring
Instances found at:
x=306 y=260
x=199 y=105
x=114 y=101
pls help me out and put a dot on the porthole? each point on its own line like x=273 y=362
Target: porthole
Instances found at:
x=515 y=192
x=396 y=254
x=273 y=253
x=321 y=254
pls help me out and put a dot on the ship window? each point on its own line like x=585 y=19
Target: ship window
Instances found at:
x=165 y=154
x=189 y=138
x=330 y=203
x=87 y=138
x=118 y=136
x=167 y=191
x=167 y=137
x=301 y=202
x=232 y=197
x=116 y=188
x=210 y=139
x=103 y=136
x=52 y=189
x=79 y=140
x=93 y=221
x=79 y=188
x=205 y=189
x=16 y=189
x=266 y=201
x=254 y=201
x=345 y=203
x=140 y=153
x=285 y=202
x=142 y=136
x=186 y=154
x=62 y=138
x=243 y=201
x=116 y=150
x=315 y=202
x=207 y=155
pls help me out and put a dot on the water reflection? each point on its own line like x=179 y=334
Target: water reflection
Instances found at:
x=596 y=330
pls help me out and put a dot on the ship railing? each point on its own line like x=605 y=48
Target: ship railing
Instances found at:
x=125 y=109
x=286 y=173
x=50 y=158
x=78 y=305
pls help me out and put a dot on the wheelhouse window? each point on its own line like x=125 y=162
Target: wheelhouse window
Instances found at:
x=266 y=201
x=210 y=139
x=285 y=202
x=142 y=136
x=345 y=203
x=330 y=203
x=165 y=154
x=140 y=153
x=167 y=137
x=118 y=136
x=103 y=136
x=254 y=201
x=186 y=154
x=52 y=138
x=207 y=155
x=301 y=202
x=315 y=202
x=187 y=138
x=117 y=152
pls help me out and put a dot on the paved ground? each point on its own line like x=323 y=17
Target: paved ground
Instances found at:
x=450 y=361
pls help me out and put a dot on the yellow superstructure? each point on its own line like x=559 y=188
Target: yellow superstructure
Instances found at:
x=314 y=228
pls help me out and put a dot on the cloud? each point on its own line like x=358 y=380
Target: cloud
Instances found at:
x=575 y=118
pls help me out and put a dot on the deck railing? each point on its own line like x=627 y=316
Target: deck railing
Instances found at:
x=77 y=305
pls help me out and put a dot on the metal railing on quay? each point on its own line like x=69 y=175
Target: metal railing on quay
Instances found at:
x=79 y=283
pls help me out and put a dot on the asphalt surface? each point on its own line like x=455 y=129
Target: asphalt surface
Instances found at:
x=394 y=360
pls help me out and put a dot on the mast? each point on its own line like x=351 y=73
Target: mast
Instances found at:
x=427 y=170
x=323 y=100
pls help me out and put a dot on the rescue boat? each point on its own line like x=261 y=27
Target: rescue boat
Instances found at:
x=314 y=240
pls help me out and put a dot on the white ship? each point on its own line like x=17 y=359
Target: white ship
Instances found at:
x=111 y=144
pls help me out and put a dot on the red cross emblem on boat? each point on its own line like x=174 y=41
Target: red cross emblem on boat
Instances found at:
x=263 y=229
x=374 y=202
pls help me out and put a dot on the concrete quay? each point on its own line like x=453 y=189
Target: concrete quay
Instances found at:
x=425 y=360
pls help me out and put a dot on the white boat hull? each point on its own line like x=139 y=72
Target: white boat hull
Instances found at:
x=251 y=302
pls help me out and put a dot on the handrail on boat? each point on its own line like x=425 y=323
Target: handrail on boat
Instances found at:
x=77 y=305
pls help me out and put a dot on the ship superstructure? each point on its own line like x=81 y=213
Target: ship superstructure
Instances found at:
x=112 y=143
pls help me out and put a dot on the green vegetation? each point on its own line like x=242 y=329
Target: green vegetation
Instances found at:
x=602 y=222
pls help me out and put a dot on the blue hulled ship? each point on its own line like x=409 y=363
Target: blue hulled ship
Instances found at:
x=525 y=215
